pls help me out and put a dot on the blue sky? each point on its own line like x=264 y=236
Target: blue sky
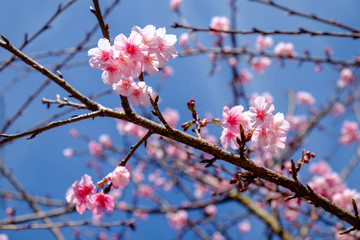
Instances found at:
x=38 y=163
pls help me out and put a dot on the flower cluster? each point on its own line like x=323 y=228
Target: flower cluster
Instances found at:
x=269 y=130
x=146 y=49
x=82 y=193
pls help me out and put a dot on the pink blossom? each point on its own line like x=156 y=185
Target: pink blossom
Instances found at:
x=146 y=190
x=243 y=77
x=140 y=94
x=263 y=42
x=304 y=98
x=259 y=65
x=210 y=210
x=105 y=141
x=126 y=65
x=125 y=127
x=111 y=74
x=138 y=176
x=78 y=193
x=141 y=214
x=217 y=236
x=232 y=118
x=74 y=133
x=167 y=71
x=151 y=64
x=95 y=148
x=327 y=185
x=132 y=46
x=124 y=86
x=164 y=46
x=285 y=50
x=228 y=139
x=338 y=109
x=171 y=116
x=219 y=23
x=260 y=112
x=266 y=95
x=349 y=133
x=97 y=202
x=232 y=61
x=3 y=236
x=178 y=219
x=346 y=77
x=174 y=4
x=100 y=56
x=244 y=226
x=184 y=39
x=297 y=122
x=344 y=198
x=120 y=177
x=320 y=168
x=291 y=214
x=68 y=152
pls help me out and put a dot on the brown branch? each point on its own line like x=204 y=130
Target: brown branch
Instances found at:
x=129 y=223
x=36 y=131
x=307 y=15
x=38 y=215
x=61 y=82
x=60 y=9
x=134 y=147
x=300 y=31
x=41 y=200
x=33 y=205
x=268 y=218
x=245 y=51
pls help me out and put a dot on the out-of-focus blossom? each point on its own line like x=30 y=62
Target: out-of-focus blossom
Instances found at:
x=263 y=42
x=259 y=65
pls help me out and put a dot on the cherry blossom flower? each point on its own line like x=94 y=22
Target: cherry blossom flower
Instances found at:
x=95 y=148
x=228 y=139
x=217 y=236
x=219 y=23
x=232 y=118
x=263 y=42
x=284 y=50
x=344 y=198
x=132 y=46
x=346 y=77
x=174 y=4
x=349 y=133
x=243 y=77
x=171 y=116
x=338 y=109
x=111 y=74
x=120 y=177
x=140 y=94
x=98 y=202
x=74 y=133
x=3 y=236
x=124 y=86
x=320 y=168
x=184 y=39
x=178 y=219
x=210 y=210
x=105 y=141
x=259 y=65
x=146 y=190
x=305 y=98
x=167 y=71
x=78 y=193
x=244 y=226
x=164 y=46
x=100 y=56
x=260 y=112
x=68 y=152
